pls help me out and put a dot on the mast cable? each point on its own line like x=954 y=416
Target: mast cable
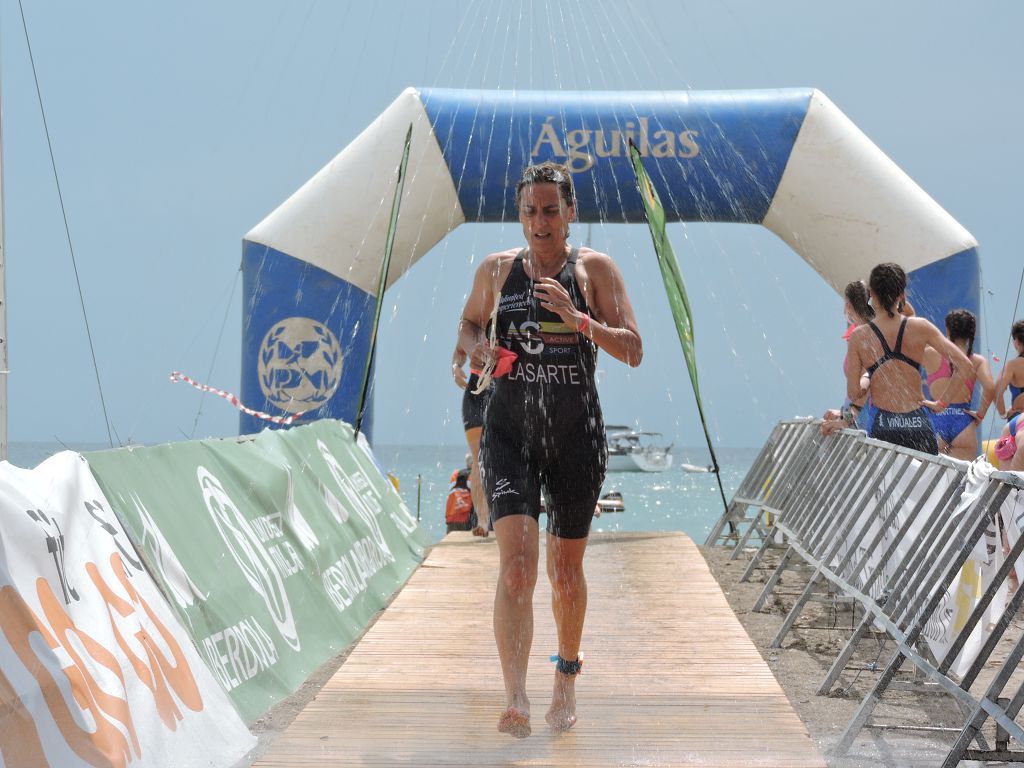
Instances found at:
x=67 y=228
x=216 y=350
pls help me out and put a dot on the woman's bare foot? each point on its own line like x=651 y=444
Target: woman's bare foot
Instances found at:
x=515 y=722
x=562 y=714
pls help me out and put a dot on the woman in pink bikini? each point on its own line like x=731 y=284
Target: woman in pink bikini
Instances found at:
x=955 y=424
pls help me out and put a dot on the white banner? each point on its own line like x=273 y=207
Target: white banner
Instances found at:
x=968 y=587
x=95 y=669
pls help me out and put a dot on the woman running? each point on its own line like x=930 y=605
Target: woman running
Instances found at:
x=1012 y=376
x=549 y=307
x=889 y=350
x=955 y=424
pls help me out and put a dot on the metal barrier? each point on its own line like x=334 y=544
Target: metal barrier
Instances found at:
x=773 y=475
x=898 y=532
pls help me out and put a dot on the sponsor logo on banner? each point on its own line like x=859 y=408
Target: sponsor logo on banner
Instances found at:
x=346 y=578
x=581 y=148
x=240 y=652
x=299 y=364
x=83 y=684
x=245 y=542
x=181 y=588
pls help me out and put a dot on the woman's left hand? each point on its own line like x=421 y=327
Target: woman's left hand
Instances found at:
x=555 y=298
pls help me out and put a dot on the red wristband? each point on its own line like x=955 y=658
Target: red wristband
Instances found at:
x=584 y=324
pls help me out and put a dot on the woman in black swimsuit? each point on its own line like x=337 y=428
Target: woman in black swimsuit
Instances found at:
x=889 y=350
x=550 y=307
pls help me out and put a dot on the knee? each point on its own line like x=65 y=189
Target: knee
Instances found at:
x=519 y=576
x=566 y=580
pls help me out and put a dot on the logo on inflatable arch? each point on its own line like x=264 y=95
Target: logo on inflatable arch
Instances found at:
x=249 y=553
x=299 y=364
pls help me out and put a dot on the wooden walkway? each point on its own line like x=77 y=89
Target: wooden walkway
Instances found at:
x=671 y=677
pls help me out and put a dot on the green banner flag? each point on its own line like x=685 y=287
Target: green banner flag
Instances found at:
x=675 y=290
x=674 y=287
x=275 y=552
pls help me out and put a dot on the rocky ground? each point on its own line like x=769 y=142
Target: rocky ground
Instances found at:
x=808 y=652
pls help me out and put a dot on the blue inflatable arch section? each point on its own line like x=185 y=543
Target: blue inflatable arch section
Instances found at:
x=787 y=159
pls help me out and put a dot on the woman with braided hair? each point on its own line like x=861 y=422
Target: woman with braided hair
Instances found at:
x=889 y=350
x=955 y=423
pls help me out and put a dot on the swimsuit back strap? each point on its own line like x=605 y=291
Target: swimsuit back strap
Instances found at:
x=881 y=338
x=898 y=349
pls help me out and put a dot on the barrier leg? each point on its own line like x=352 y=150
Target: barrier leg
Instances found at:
x=755 y=525
x=756 y=559
x=773 y=580
x=845 y=655
x=795 y=611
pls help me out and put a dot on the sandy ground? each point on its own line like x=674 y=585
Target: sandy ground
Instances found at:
x=806 y=655
x=799 y=666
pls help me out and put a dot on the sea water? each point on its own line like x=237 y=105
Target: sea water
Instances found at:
x=674 y=500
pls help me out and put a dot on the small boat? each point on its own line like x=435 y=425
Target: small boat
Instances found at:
x=695 y=468
x=611 y=502
x=630 y=450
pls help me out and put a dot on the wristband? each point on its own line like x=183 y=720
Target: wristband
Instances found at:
x=584 y=324
x=942 y=405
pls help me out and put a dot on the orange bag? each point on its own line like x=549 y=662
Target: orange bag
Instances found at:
x=459 y=506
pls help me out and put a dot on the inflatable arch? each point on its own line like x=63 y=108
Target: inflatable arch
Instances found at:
x=787 y=159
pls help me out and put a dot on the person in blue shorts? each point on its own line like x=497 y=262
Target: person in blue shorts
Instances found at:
x=955 y=423
x=1012 y=376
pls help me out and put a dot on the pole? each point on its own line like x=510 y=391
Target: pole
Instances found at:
x=382 y=281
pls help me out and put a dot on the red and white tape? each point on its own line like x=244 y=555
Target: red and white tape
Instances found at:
x=177 y=376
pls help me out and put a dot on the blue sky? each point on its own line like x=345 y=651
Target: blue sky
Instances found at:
x=177 y=127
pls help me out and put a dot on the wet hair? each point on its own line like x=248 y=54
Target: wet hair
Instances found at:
x=961 y=324
x=888 y=282
x=857 y=294
x=548 y=173
x=1017 y=331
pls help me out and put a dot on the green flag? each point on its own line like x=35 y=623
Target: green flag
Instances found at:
x=676 y=291
x=385 y=266
x=669 y=267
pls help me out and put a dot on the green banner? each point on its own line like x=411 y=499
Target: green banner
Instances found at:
x=670 y=273
x=276 y=552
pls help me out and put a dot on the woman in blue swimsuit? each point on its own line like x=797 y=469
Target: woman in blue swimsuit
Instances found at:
x=955 y=423
x=1012 y=376
x=889 y=349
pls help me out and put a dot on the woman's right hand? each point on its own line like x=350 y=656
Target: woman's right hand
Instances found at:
x=459 y=375
x=482 y=354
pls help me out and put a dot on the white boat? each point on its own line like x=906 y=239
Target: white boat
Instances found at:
x=695 y=468
x=630 y=450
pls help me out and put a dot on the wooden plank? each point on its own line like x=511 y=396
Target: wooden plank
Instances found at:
x=670 y=677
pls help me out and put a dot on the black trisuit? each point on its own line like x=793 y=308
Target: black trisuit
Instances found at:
x=543 y=424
